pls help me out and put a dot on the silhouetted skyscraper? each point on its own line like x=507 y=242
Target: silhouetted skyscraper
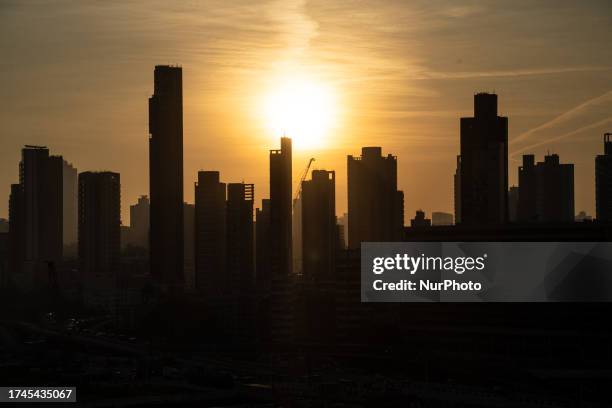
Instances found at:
x=546 y=190
x=139 y=222
x=240 y=249
x=41 y=177
x=70 y=203
x=603 y=182
x=319 y=231
x=280 y=209
x=484 y=164
x=166 y=176
x=210 y=234
x=375 y=206
x=99 y=225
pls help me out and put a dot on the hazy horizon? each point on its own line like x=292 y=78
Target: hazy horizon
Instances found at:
x=76 y=77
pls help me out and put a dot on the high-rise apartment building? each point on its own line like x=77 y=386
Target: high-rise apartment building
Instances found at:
x=99 y=225
x=166 y=177
x=375 y=206
x=546 y=190
x=319 y=231
x=281 y=209
x=210 y=234
x=484 y=164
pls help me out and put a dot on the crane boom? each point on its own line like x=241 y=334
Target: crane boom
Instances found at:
x=304 y=174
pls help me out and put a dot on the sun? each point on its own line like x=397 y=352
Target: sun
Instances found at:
x=303 y=109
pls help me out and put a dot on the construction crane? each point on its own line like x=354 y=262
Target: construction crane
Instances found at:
x=299 y=187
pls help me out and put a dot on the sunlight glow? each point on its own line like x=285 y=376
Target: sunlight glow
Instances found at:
x=303 y=109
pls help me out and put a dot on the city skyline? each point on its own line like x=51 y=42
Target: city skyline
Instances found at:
x=306 y=202
x=86 y=105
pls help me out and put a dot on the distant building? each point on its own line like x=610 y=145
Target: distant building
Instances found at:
x=210 y=234
x=457 y=192
x=441 y=218
x=166 y=177
x=513 y=203
x=375 y=206
x=582 y=216
x=546 y=190
x=70 y=204
x=139 y=222
x=319 y=233
x=240 y=250
x=99 y=225
x=189 y=245
x=419 y=220
x=484 y=164
x=603 y=182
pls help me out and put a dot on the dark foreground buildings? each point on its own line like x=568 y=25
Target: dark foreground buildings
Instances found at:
x=603 y=182
x=546 y=190
x=166 y=177
x=375 y=206
x=484 y=164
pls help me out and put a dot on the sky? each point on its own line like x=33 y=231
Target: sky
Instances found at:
x=76 y=76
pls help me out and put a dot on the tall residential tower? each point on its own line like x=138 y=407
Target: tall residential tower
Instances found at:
x=166 y=176
x=280 y=209
x=484 y=164
x=375 y=205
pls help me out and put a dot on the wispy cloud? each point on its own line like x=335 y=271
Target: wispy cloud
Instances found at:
x=508 y=73
x=586 y=112
x=576 y=132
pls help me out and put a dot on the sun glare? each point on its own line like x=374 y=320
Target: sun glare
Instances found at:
x=302 y=109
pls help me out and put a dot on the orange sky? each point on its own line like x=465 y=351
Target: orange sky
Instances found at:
x=75 y=76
